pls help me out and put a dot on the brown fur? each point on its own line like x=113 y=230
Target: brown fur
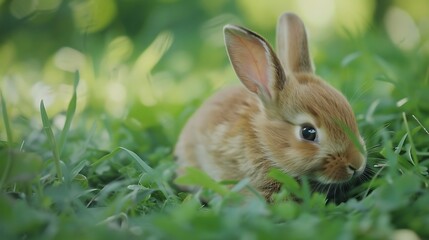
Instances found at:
x=243 y=132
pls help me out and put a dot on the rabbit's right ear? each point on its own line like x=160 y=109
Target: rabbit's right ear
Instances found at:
x=254 y=62
x=292 y=44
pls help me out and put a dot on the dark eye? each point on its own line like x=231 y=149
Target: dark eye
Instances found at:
x=308 y=133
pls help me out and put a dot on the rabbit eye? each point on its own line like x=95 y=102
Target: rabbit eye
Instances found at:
x=308 y=133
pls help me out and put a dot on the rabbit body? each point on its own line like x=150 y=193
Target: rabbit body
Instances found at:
x=285 y=116
x=221 y=138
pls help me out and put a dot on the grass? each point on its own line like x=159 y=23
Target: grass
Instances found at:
x=101 y=176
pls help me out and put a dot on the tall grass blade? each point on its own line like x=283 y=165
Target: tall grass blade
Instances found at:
x=6 y=119
x=421 y=125
x=69 y=115
x=413 y=147
x=51 y=138
x=6 y=170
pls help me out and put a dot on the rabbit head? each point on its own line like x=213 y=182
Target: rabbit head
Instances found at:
x=306 y=127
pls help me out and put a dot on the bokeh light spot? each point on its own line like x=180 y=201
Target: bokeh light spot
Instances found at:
x=93 y=15
x=401 y=28
x=69 y=59
x=22 y=8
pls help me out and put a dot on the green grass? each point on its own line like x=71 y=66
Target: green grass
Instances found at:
x=98 y=175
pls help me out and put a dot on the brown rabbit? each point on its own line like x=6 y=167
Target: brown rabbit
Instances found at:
x=285 y=117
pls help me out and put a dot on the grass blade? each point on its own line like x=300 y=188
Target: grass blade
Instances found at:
x=421 y=125
x=355 y=140
x=145 y=167
x=6 y=170
x=51 y=138
x=6 y=120
x=140 y=161
x=413 y=147
x=163 y=187
x=69 y=115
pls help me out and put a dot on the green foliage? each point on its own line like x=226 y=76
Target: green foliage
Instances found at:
x=93 y=155
x=196 y=177
x=52 y=141
x=69 y=115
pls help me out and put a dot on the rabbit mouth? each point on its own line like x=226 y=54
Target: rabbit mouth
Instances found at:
x=323 y=179
x=332 y=177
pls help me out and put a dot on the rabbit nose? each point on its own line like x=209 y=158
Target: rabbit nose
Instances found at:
x=351 y=170
x=355 y=171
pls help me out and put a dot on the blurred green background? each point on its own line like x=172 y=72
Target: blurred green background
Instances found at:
x=153 y=62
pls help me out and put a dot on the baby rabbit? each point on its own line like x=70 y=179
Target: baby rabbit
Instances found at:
x=285 y=116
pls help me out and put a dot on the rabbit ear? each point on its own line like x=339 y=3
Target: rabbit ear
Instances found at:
x=254 y=62
x=292 y=44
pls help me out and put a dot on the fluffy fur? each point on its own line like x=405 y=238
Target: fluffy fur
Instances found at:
x=244 y=131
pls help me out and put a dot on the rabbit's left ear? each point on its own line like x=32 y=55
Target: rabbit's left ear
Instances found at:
x=254 y=62
x=292 y=44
